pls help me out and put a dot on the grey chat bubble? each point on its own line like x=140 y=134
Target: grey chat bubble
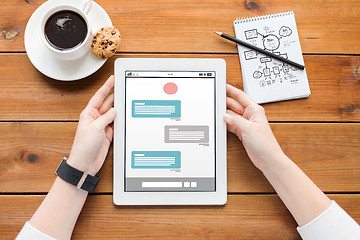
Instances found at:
x=186 y=134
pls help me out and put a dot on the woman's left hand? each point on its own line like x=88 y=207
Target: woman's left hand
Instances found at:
x=94 y=132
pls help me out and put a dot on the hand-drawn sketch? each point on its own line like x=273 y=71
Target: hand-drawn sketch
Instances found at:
x=257 y=74
x=269 y=70
x=271 y=42
x=250 y=34
x=251 y=54
x=285 y=31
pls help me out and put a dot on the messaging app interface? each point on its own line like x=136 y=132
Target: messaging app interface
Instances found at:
x=170 y=131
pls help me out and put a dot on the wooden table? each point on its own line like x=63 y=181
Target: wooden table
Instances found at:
x=38 y=118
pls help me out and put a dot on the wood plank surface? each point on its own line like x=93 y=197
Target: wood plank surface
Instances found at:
x=329 y=26
x=328 y=153
x=321 y=133
x=26 y=94
x=243 y=217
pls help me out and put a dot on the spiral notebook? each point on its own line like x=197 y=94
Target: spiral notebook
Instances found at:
x=266 y=79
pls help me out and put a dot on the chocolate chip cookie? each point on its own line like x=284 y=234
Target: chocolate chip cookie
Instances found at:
x=105 y=42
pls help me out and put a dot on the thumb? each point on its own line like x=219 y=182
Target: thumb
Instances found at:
x=235 y=120
x=106 y=118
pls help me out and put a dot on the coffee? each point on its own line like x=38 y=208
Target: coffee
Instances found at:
x=65 y=30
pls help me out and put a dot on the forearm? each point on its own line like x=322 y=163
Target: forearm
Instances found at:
x=59 y=211
x=301 y=196
x=57 y=214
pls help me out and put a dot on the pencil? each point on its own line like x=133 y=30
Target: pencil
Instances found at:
x=297 y=65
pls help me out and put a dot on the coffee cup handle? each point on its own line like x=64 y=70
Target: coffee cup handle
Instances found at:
x=86 y=6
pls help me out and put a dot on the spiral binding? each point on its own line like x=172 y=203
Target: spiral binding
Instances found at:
x=263 y=17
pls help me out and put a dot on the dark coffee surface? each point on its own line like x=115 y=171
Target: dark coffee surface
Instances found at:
x=65 y=30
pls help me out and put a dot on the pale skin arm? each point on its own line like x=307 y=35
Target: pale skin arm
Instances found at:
x=59 y=211
x=247 y=120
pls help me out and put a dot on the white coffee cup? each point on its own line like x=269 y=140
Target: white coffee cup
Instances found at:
x=84 y=47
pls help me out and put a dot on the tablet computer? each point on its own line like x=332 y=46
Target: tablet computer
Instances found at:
x=169 y=132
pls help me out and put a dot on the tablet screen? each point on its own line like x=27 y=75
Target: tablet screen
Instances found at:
x=169 y=131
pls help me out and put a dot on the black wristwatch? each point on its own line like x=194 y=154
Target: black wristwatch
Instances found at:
x=76 y=177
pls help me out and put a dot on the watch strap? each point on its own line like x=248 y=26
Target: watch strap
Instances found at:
x=76 y=177
x=90 y=183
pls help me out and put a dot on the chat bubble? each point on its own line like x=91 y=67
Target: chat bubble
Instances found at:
x=285 y=31
x=156 y=159
x=156 y=109
x=186 y=134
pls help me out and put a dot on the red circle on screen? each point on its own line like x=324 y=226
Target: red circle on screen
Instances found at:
x=170 y=88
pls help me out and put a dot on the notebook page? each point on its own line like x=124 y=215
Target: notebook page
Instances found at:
x=266 y=79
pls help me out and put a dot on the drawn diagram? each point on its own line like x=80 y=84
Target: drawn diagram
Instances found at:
x=277 y=41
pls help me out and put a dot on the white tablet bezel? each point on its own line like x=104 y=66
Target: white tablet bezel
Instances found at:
x=219 y=196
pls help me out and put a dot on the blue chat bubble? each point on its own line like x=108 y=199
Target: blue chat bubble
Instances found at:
x=156 y=109
x=156 y=159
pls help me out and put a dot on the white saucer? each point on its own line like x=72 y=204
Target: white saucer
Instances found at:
x=46 y=62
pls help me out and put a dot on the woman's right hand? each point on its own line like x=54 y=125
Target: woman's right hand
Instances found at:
x=248 y=121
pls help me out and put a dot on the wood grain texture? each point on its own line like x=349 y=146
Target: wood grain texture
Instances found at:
x=328 y=153
x=329 y=26
x=243 y=217
x=26 y=94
